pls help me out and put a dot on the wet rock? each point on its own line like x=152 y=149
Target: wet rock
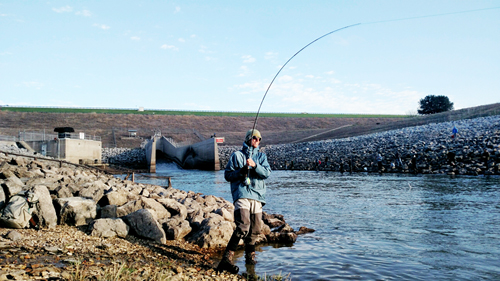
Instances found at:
x=285 y=238
x=304 y=230
x=273 y=220
x=284 y=229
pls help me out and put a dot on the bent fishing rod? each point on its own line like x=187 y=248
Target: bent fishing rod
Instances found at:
x=279 y=71
x=247 y=179
x=352 y=25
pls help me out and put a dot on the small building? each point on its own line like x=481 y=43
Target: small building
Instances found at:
x=132 y=133
x=74 y=148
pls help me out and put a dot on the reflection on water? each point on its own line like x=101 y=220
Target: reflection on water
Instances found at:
x=372 y=227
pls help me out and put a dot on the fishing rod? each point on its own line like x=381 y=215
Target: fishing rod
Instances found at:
x=247 y=180
x=352 y=25
x=270 y=84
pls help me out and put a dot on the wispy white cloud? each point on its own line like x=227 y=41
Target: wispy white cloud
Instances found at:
x=85 y=13
x=65 y=9
x=33 y=84
x=135 y=38
x=285 y=78
x=169 y=47
x=249 y=88
x=270 y=55
x=177 y=9
x=203 y=49
x=333 y=81
x=182 y=40
x=5 y=53
x=331 y=95
x=248 y=59
x=101 y=26
x=244 y=71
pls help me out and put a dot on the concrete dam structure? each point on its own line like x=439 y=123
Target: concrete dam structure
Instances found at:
x=203 y=155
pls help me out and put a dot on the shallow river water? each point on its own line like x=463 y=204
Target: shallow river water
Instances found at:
x=370 y=226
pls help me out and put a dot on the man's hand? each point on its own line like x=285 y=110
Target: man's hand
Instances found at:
x=244 y=171
x=251 y=163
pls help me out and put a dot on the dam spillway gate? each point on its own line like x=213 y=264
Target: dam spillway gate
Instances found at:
x=203 y=155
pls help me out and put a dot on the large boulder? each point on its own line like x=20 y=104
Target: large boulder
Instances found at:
x=214 y=232
x=64 y=192
x=6 y=171
x=93 y=190
x=46 y=213
x=108 y=211
x=161 y=213
x=128 y=208
x=227 y=215
x=176 y=228
x=75 y=211
x=175 y=208
x=12 y=185
x=115 y=197
x=143 y=223
x=108 y=228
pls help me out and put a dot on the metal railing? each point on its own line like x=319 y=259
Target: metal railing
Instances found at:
x=42 y=136
x=7 y=138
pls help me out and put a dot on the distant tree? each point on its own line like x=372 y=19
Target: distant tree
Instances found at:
x=434 y=104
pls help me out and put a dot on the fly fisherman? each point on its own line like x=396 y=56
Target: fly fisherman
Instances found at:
x=246 y=170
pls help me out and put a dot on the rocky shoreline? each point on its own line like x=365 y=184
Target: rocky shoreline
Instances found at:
x=427 y=149
x=90 y=218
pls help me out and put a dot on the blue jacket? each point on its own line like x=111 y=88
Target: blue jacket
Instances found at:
x=235 y=173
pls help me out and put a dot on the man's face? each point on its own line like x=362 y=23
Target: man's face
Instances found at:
x=255 y=141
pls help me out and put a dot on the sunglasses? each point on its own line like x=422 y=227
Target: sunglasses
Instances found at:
x=256 y=138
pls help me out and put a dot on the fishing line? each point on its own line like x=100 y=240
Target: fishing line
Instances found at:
x=247 y=180
x=352 y=25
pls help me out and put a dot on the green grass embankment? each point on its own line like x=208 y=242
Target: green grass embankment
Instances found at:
x=193 y=113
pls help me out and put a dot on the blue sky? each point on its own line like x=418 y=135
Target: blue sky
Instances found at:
x=222 y=55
